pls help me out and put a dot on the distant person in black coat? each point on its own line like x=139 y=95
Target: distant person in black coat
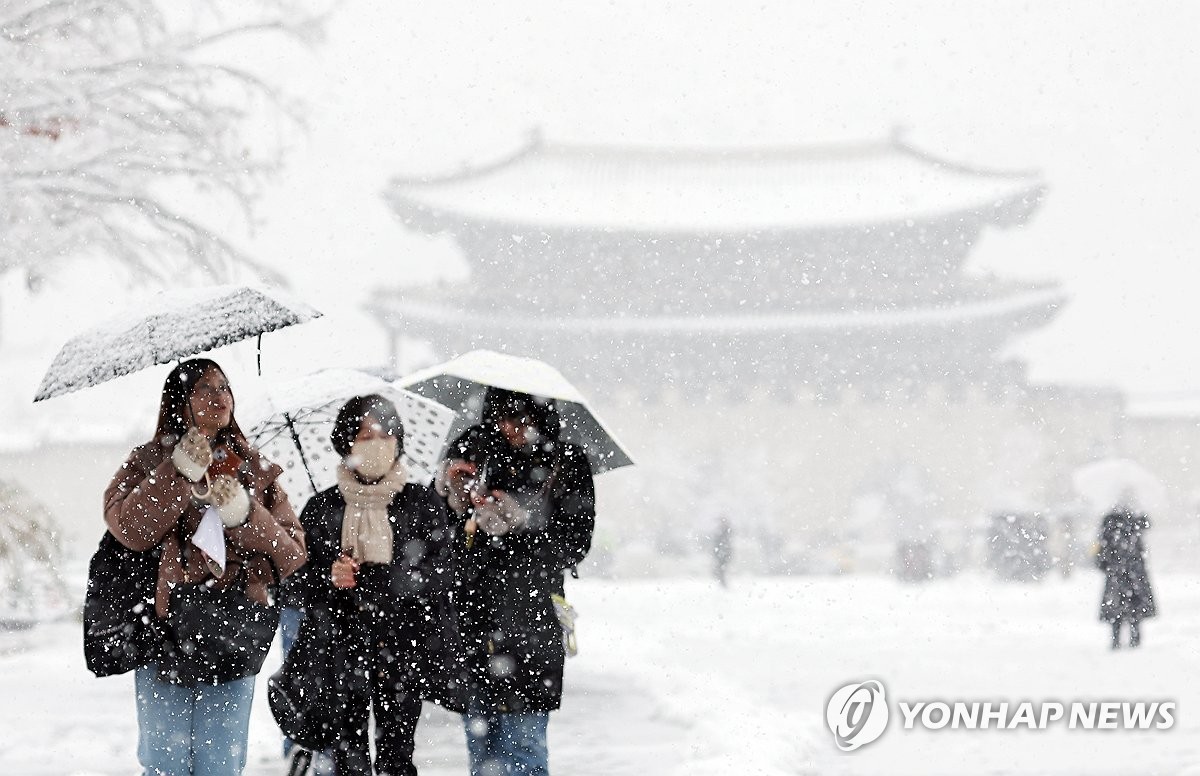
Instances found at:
x=1127 y=594
x=380 y=565
x=526 y=511
x=722 y=549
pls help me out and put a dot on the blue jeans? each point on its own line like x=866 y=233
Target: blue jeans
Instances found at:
x=507 y=744
x=289 y=628
x=186 y=731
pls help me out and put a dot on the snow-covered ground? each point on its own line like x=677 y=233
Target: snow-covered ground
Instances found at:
x=680 y=676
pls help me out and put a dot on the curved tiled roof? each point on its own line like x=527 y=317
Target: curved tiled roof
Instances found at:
x=554 y=186
x=1034 y=306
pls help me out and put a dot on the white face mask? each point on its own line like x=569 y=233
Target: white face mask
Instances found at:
x=373 y=458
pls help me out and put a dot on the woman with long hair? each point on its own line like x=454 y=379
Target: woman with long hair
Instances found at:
x=379 y=570
x=526 y=506
x=192 y=718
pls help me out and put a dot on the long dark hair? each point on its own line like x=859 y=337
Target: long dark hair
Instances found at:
x=174 y=410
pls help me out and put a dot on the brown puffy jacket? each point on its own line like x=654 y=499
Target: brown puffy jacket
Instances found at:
x=147 y=498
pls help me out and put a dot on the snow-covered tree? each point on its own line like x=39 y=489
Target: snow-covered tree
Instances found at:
x=31 y=585
x=114 y=113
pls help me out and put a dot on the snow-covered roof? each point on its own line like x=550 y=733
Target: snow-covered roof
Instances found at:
x=555 y=186
x=1174 y=407
x=1042 y=302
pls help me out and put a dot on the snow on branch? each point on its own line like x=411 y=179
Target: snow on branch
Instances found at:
x=115 y=112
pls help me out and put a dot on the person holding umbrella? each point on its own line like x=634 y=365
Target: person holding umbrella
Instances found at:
x=1128 y=596
x=526 y=508
x=197 y=469
x=380 y=569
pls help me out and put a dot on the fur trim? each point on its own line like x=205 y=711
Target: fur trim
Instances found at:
x=231 y=500
x=189 y=456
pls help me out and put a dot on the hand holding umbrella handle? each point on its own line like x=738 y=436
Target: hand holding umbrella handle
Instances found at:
x=192 y=455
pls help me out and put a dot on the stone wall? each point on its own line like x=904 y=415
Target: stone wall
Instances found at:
x=813 y=486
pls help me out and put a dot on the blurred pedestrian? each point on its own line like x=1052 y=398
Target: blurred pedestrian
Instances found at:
x=1128 y=597
x=722 y=549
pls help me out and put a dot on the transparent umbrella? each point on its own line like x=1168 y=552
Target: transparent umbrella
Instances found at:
x=462 y=382
x=296 y=417
x=1113 y=482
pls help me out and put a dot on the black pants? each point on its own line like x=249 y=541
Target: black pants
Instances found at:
x=397 y=707
x=1135 y=636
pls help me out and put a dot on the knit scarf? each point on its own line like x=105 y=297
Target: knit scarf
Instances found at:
x=366 y=531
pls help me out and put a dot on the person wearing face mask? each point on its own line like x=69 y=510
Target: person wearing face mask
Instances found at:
x=526 y=512
x=379 y=564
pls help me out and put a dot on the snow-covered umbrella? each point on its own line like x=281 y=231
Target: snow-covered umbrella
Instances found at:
x=296 y=416
x=462 y=382
x=1113 y=482
x=170 y=326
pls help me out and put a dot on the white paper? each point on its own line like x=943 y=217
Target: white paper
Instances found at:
x=210 y=538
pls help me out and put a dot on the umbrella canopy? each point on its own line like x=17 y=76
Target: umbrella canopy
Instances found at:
x=462 y=382
x=170 y=326
x=1113 y=482
x=296 y=417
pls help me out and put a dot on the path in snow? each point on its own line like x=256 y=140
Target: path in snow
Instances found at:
x=680 y=677
x=55 y=718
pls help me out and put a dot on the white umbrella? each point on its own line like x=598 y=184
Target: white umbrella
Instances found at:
x=295 y=419
x=462 y=382
x=169 y=326
x=1113 y=482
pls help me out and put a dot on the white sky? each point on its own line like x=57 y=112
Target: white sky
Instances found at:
x=1098 y=96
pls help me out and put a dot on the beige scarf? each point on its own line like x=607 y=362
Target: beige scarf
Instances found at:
x=366 y=532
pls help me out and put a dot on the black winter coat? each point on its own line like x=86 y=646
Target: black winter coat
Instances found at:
x=1127 y=592
x=400 y=612
x=511 y=635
